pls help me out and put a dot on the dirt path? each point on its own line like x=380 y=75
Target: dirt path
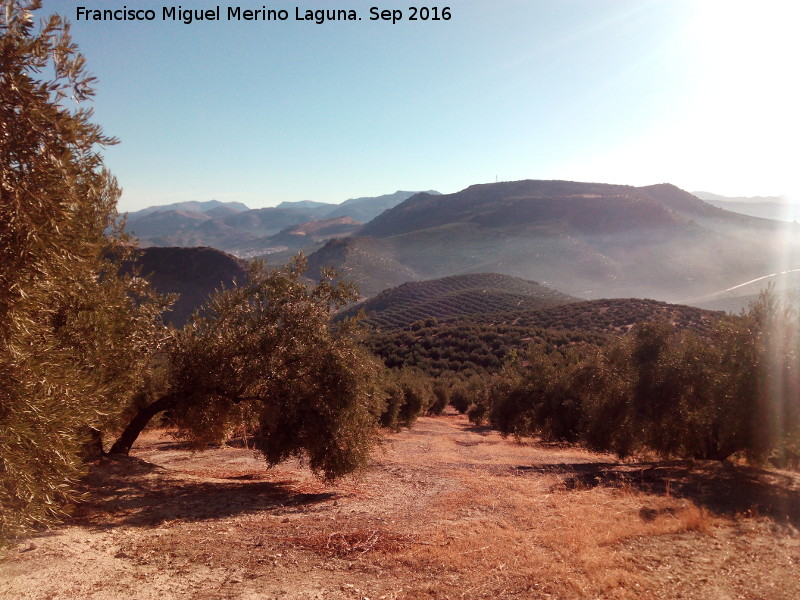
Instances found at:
x=446 y=511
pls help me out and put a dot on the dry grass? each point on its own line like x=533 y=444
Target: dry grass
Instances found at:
x=448 y=511
x=352 y=544
x=501 y=533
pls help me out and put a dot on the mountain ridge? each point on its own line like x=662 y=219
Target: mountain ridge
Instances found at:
x=235 y=228
x=585 y=239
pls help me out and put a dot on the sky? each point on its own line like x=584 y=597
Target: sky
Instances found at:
x=699 y=93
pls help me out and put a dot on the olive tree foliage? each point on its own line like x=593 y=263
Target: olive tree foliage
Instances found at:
x=266 y=351
x=75 y=336
x=734 y=389
x=410 y=393
x=531 y=395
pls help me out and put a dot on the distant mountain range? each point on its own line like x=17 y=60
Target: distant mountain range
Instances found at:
x=778 y=208
x=235 y=228
x=213 y=208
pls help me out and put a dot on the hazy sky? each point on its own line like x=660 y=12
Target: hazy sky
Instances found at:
x=701 y=94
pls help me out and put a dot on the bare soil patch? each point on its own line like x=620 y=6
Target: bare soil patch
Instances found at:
x=445 y=511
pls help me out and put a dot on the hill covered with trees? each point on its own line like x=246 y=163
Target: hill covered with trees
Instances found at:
x=193 y=274
x=482 y=342
x=458 y=296
x=607 y=315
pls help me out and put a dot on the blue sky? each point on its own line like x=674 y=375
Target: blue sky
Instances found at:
x=697 y=93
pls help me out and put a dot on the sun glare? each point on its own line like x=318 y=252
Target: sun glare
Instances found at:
x=745 y=93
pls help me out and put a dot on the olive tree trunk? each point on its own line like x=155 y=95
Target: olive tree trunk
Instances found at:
x=139 y=422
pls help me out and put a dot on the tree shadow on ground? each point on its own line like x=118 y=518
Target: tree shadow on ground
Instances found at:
x=124 y=490
x=722 y=488
x=479 y=429
x=166 y=443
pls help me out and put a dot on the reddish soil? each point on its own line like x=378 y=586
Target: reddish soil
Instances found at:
x=445 y=511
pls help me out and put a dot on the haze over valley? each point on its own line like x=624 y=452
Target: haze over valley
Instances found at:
x=587 y=240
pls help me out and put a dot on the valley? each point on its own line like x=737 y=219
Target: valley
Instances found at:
x=582 y=239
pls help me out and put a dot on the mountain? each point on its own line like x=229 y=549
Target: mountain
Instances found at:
x=712 y=198
x=307 y=204
x=586 y=239
x=168 y=222
x=298 y=236
x=368 y=263
x=366 y=209
x=191 y=206
x=778 y=208
x=458 y=296
x=311 y=234
x=194 y=273
x=555 y=205
x=225 y=210
x=232 y=227
x=683 y=202
x=219 y=227
x=260 y=221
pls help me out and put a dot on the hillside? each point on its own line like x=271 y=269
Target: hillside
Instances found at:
x=193 y=273
x=367 y=208
x=310 y=232
x=453 y=297
x=586 y=239
x=364 y=261
x=554 y=205
x=210 y=207
x=481 y=342
x=607 y=315
x=464 y=348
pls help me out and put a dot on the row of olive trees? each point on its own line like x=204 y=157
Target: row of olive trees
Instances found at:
x=83 y=348
x=410 y=393
x=734 y=389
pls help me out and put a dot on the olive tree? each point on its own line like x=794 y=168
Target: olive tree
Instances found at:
x=733 y=389
x=75 y=335
x=267 y=348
